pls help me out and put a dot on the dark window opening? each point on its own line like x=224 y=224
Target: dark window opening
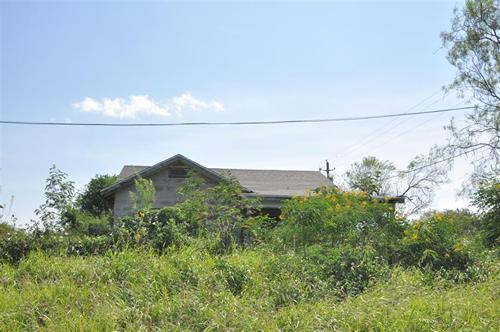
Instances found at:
x=177 y=173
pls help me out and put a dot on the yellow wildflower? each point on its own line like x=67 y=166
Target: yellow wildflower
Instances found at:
x=137 y=237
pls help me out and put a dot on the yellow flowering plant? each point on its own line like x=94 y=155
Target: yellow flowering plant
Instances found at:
x=439 y=233
x=334 y=217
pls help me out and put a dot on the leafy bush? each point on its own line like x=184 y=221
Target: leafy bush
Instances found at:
x=14 y=246
x=331 y=217
x=156 y=228
x=90 y=245
x=20 y=244
x=218 y=211
x=90 y=201
x=437 y=241
x=76 y=222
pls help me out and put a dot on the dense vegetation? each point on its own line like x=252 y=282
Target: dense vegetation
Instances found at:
x=191 y=289
x=335 y=260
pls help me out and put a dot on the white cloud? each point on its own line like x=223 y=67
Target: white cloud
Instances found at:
x=187 y=102
x=135 y=106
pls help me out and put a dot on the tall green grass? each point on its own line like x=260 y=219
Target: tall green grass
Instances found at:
x=191 y=289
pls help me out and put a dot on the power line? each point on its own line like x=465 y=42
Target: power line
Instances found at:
x=389 y=128
x=354 y=118
x=439 y=161
x=393 y=138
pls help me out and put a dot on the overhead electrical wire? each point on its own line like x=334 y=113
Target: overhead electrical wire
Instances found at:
x=439 y=161
x=392 y=138
x=365 y=144
x=377 y=131
x=236 y=123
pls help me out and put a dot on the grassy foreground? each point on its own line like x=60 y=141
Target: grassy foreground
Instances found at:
x=189 y=289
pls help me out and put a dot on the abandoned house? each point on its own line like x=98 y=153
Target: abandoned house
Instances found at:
x=271 y=186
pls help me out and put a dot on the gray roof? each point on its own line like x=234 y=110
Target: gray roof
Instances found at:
x=129 y=170
x=259 y=181
x=277 y=182
x=269 y=184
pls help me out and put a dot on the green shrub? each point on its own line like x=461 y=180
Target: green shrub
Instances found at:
x=90 y=245
x=15 y=246
x=77 y=222
x=437 y=241
x=21 y=243
x=90 y=200
x=331 y=218
x=152 y=227
x=217 y=212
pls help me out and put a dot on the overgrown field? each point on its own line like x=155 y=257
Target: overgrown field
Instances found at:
x=191 y=289
x=335 y=260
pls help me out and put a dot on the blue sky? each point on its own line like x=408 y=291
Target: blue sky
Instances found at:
x=217 y=61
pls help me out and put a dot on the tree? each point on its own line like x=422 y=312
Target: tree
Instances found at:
x=416 y=183
x=90 y=200
x=144 y=195
x=487 y=199
x=372 y=176
x=474 y=49
x=59 y=194
x=420 y=179
x=216 y=209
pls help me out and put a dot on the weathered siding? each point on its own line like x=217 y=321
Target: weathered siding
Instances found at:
x=166 y=193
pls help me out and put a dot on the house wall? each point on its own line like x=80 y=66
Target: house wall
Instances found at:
x=166 y=193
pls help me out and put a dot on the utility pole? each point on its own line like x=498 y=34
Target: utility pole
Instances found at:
x=327 y=170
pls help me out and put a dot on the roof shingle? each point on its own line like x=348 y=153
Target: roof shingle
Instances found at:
x=263 y=182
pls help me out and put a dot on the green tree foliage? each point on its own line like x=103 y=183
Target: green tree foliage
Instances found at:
x=416 y=183
x=473 y=48
x=331 y=217
x=59 y=195
x=155 y=228
x=90 y=200
x=473 y=44
x=487 y=199
x=218 y=213
x=373 y=176
x=5 y=230
x=76 y=222
x=144 y=195
x=219 y=209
